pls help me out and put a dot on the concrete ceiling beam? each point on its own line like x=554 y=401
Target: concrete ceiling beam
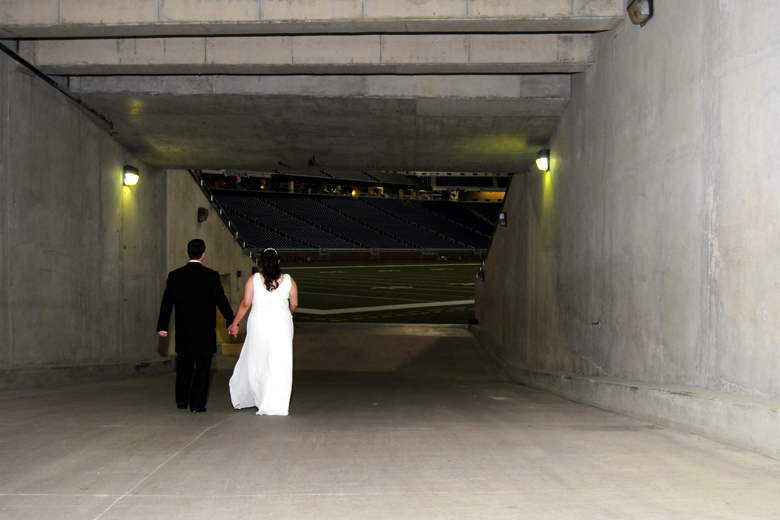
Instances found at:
x=554 y=87
x=354 y=54
x=144 y=18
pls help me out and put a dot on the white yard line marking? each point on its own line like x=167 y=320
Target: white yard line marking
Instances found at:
x=321 y=312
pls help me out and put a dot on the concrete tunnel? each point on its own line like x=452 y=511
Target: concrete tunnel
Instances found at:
x=625 y=363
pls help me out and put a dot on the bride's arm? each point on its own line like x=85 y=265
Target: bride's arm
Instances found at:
x=293 y=295
x=249 y=293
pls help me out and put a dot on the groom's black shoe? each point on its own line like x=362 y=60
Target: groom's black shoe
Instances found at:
x=198 y=411
x=181 y=406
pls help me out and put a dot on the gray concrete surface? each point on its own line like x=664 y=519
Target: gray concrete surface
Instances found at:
x=396 y=422
x=745 y=422
x=326 y=54
x=118 y=18
x=526 y=90
x=465 y=123
x=81 y=257
x=649 y=253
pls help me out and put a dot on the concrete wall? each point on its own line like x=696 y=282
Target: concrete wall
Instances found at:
x=223 y=253
x=81 y=256
x=649 y=253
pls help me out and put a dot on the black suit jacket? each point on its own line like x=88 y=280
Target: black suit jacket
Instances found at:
x=196 y=292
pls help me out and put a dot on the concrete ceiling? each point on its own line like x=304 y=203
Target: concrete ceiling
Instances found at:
x=443 y=85
x=355 y=122
x=256 y=132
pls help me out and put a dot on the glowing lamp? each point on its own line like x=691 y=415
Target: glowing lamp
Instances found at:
x=543 y=160
x=130 y=176
x=640 y=11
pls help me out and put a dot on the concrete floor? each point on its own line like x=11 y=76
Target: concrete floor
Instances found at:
x=386 y=422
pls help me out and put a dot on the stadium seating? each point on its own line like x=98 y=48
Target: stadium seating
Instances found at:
x=306 y=173
x=333 y=222
x=372 y=215
x=351 y=176
x=488 y=210
x=420 y=180
x=466 y=181
x=392 y=178
x=309 y=209
x=454 y=212
x=258 y=237
x=263 y=211
x=432 y=222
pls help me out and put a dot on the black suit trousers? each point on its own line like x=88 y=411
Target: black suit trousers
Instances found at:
x=192 y=379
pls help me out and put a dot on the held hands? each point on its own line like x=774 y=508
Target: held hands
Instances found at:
x=232 y=329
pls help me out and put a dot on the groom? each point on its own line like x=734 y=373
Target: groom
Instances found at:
x=195 y=291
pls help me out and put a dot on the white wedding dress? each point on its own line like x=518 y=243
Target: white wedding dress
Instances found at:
x=263 y=374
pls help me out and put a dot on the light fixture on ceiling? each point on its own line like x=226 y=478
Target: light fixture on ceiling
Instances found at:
x=543 y=160
x=640 y=11
x=129 y=175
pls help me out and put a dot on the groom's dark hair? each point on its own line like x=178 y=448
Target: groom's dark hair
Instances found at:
x=196 y=248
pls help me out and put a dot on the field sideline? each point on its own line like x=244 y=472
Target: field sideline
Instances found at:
x=386 y=293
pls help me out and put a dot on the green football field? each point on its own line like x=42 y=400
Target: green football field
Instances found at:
x=386 y=293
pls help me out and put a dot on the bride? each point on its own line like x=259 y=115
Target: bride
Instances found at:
x=263 y=374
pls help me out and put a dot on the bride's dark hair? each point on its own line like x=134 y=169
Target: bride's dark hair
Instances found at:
x=269 y=260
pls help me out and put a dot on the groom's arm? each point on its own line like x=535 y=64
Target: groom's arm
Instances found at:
x=166 y=308
x=218 y=293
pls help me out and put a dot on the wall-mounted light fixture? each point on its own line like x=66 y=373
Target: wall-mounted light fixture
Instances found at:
x=640 y=11
x=502 y=218
x=481 y=274
x=203 y=214
x=129 y=175
x=543 y=160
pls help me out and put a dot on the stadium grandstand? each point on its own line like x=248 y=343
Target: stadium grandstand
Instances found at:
x=487 y=210
x=352 y=211
x=479 y=182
